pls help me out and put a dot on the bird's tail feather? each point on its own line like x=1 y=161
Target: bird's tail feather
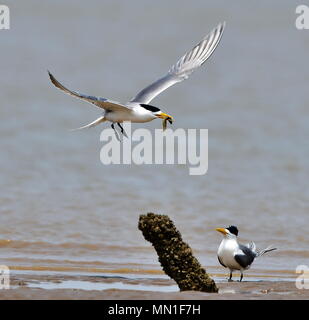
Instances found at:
x=268 y=249
x=92 y=124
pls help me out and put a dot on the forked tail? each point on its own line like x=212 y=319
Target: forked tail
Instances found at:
x=268 y=249
x=92 y=124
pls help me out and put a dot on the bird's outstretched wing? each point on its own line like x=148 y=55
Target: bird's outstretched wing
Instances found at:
x=99 y=102
x=184 y=66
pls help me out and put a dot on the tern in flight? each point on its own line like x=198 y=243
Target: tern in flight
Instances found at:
x=138 y=109
x=235 y=256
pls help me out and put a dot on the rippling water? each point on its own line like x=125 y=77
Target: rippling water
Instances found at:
x=62 y=210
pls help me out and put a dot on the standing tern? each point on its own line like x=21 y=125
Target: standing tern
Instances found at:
x=138 y=109
x=235 y=256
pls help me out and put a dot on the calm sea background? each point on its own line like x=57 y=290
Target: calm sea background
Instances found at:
x=61 y=209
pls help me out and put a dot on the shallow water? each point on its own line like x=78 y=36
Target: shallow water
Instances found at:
x=87 y=285
x=62 y=210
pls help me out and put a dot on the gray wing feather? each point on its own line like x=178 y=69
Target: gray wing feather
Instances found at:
x=184 y=66
x=99 y=102
x=246 y=258
x=150 y=92
x=251 y=245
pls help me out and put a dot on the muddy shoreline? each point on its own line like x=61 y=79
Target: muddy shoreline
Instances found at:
x=62 y=287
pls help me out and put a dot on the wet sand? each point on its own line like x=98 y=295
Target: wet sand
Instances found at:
x=39 y=287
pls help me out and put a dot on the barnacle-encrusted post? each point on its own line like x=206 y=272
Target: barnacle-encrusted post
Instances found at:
x=175 y=256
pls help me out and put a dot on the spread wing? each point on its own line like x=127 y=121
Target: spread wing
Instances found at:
x=99 y=102
x=245 y=257
x=184 y=66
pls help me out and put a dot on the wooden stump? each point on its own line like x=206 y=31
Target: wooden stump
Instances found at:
x=175 y=256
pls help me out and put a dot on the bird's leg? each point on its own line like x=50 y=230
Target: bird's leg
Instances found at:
x=122 y=130
x=241 y=276
x=116 y=133
x=230 y=278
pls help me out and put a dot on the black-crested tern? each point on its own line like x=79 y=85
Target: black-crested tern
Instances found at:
x=235 y=256
x=138 y=108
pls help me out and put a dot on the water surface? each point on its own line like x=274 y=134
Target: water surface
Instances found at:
x=62 y=210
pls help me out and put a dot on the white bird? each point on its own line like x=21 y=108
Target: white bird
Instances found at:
x=235 y=256
x=138 y=108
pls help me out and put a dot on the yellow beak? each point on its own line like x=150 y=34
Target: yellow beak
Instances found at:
x=222 y=230
x=165 y=117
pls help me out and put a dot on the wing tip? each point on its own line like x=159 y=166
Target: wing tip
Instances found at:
x=49 y=73
x=221 y=26
x=52 y=78
x=55 y=82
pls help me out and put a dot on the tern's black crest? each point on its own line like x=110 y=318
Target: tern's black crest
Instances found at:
x=233 y=229
x=150 y=108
